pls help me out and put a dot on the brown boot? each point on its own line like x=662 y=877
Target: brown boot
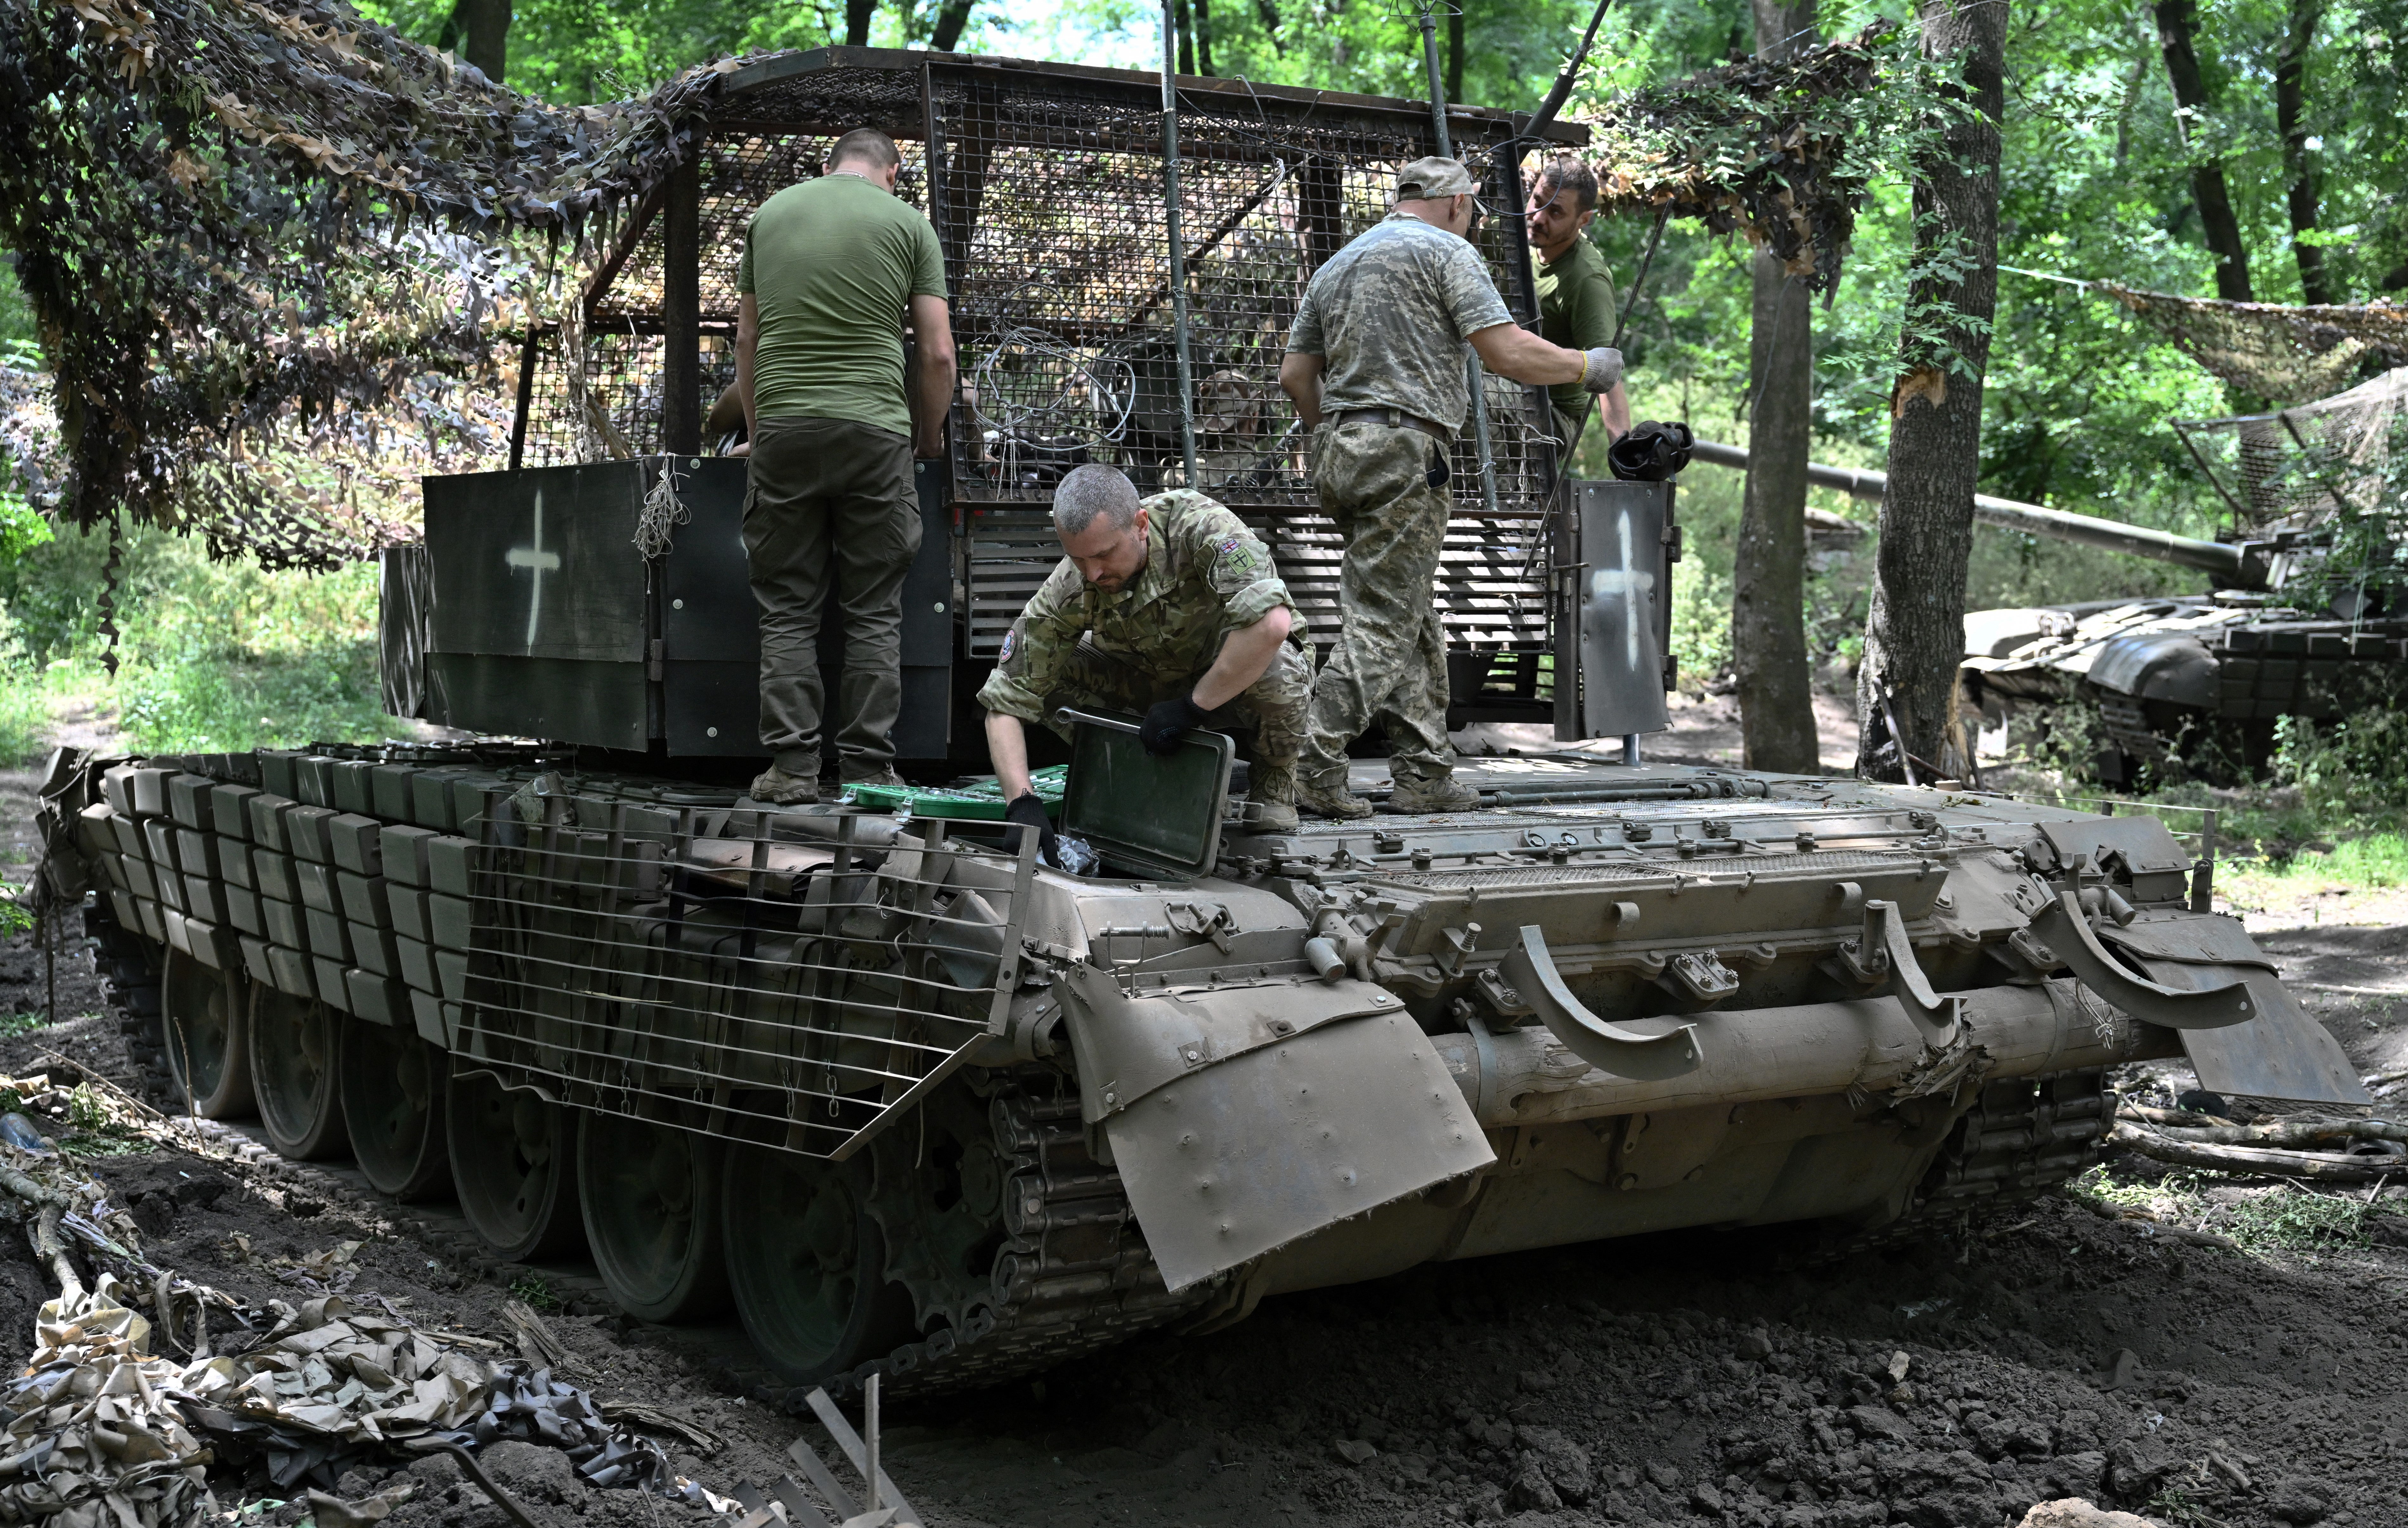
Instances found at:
x=780 y=788
x=882 y=775
x=1270 y=790
x=1415 y=795
x=1331 y=798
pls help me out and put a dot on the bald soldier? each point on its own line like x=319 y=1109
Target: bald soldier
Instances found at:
x=1375 y=366
x=1167 y=607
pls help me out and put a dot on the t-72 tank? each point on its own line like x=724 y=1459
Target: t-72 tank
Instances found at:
x=2203 y=677
x=919 y=1103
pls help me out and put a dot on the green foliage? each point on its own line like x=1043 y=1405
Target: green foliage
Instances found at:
x=2285 y=1218
x=2350 y=774
x=12 y=1026
x=213 y=655
x=535 y=1290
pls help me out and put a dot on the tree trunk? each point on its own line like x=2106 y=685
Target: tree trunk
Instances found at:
x=857 y=22
x=1776 y=702
x=1454 y=54
x=1186 y=37
x=2177 y=23
x=1914 y=637
x=2290 y=111
x=479 y=31
x=951 y=18
x=1204 y=35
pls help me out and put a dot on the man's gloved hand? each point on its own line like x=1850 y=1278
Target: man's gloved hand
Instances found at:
x=1029 y=813
x=1604 y=369
x=1168 y=721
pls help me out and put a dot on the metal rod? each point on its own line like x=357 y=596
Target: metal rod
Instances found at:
x=869 y=1434
x=1622 y=325
x=1570 y=76
x=1471 y=370
x=1178 y=255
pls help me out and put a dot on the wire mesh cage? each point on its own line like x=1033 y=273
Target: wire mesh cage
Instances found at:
x=1047 y=184
x=783 y=980
x=2345 y=455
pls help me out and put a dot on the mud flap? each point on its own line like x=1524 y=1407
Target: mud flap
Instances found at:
x=2279 y=1053
x=2282 y=1053
x=1273 y=1144
x=1279 y=1124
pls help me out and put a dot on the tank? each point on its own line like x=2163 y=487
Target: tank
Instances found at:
x=2200 y=680
x=915 y=1103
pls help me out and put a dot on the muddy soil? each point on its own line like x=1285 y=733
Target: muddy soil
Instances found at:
x=1687 y=1380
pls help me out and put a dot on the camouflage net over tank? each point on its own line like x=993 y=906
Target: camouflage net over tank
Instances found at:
x=280 y=255
x=2340 y=464
x=2280 y=354
x=272 y=249
x=1780 y=150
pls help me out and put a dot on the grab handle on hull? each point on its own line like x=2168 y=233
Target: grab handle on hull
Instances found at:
x=1605 y=1046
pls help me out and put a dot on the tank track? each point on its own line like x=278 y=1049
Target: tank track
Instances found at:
x=2022 y=1137
x=130 y=982
x=1073 y=1276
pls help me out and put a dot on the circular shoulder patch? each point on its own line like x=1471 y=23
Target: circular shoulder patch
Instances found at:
x=1010 y=640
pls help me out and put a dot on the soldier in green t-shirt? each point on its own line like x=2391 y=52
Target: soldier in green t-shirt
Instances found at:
x=832 y=268
x=1375 y=366
x=1576 y=304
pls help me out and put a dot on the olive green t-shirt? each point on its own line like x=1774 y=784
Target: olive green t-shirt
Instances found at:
x=833 y=263
x=1576 y=311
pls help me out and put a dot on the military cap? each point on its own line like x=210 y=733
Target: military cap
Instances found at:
x=1433 y=177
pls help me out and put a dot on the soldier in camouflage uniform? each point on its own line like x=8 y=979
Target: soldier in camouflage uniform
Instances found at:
x=1375 y=364
x=1166 y=607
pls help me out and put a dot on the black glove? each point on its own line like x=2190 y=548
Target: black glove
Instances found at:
x=1168 y=721
x=1651 y=452
x=1029 y=812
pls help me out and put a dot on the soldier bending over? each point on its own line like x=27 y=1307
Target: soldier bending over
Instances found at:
x=1167 y=606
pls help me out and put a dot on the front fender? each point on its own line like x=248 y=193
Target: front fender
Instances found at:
x=1242 y=1118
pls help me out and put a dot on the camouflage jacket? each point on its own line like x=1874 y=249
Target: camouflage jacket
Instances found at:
x=1389 y=314
x=1205 y=575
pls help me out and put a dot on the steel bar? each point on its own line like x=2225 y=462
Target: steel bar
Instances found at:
x=1178 y=255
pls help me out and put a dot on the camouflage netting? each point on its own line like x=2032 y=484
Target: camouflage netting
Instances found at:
x=272 y=248
x=1777 y=150
x=280 y=255
x=2281 y=355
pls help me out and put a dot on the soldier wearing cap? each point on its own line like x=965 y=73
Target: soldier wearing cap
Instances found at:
x=1375 y=366
x=1167 y=606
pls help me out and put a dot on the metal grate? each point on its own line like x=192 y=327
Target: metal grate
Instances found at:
x=1045 y=185
x=794 y=982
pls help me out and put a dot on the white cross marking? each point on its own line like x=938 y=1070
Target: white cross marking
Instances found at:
x=1631 y=588
x=541 y=562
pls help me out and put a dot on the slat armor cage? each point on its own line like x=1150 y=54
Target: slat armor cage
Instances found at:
x=792 y=983
x=1046 y=185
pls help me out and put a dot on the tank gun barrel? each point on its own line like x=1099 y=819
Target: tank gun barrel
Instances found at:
x=2216 y=557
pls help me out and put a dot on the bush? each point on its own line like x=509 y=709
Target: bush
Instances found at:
x=2352 y=776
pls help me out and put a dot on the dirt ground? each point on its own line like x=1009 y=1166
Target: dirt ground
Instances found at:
x=1684 y=1379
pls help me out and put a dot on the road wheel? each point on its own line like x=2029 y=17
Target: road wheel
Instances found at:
x=650 y=1196
x=292 y=1044
x=513 y=1166
x=809 y=1269
x=392 y=1098
x=208 y=1061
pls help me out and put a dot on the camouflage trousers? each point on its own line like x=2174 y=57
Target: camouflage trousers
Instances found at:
x=1389 y=664
x=1266 y=717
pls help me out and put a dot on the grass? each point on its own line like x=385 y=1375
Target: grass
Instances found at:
x=213 y=656
x=2286 y=1218
x=535 y=1290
